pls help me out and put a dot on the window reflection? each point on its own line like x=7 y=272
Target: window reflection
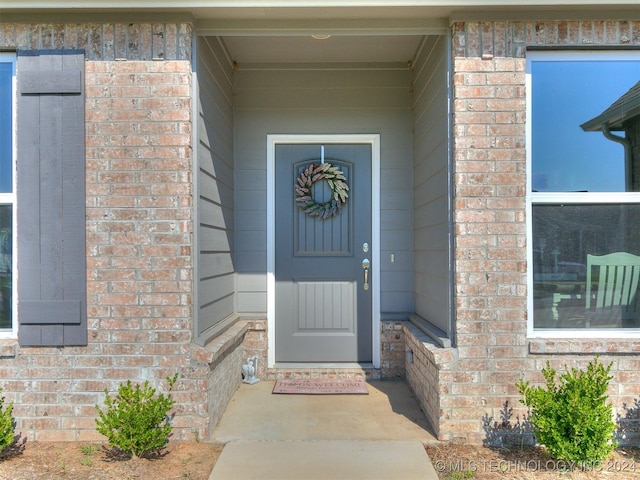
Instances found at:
x=7 y=82
x=564 y=236
x=6 y=125
x=6 y=258
x=569 y=102
x=584 y=112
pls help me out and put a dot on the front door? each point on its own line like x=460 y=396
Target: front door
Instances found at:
x=323 y=295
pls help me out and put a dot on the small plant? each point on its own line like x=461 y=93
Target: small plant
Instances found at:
x=460 y=475
x=7 y=423
x=572 y=418
x=136 y=419
x=89 y=449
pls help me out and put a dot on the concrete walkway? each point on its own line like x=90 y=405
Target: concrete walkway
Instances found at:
x=323 y=437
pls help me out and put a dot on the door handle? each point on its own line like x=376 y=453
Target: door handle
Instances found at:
x=365 y=265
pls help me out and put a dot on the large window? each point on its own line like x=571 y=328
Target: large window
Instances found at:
x=7 y=149
x=584 y=189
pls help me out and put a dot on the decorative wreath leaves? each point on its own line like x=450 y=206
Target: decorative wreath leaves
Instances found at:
x=337 y=183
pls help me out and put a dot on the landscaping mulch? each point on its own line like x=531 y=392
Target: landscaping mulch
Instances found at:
x=95 y=461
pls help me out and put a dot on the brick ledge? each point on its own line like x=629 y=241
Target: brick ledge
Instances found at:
x=442 y=357
x=215 y=351
x=580 y=346
x=9 y=348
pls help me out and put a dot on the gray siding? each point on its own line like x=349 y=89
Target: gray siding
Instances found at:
x=323 y=100
x=431 y=184
x=215 y=189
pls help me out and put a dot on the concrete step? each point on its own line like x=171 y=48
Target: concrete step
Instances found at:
x=340 y=370
x=324 y=460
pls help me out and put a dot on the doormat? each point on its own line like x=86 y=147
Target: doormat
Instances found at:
x=321 y=386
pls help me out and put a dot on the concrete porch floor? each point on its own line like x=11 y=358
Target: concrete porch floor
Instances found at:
x=375 y=436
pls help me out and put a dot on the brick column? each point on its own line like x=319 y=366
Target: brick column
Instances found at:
x=490 y=226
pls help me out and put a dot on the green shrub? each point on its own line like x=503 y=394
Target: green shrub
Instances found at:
x=7 y=423
x=572 y=418
x=136 y=420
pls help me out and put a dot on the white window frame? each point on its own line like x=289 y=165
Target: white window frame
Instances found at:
x=10 y=199
x=567 y=197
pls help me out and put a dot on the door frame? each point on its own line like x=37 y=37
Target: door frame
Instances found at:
x=374 y=141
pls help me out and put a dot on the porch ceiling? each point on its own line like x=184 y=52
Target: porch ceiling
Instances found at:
x=338 y=49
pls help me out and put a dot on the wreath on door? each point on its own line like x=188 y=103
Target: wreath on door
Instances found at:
x=337 y=183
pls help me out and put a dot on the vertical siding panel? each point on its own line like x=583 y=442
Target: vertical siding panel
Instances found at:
x=29 y=148
x=73 y=181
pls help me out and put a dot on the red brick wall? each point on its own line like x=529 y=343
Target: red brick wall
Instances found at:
x=493 y=350
x=139 y=221
x=139 y=236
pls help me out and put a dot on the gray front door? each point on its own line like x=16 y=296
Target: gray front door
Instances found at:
x=323 y=306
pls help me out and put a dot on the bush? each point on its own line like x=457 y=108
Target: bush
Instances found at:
x=7 y=423
x=136 y=420
x=572 y=419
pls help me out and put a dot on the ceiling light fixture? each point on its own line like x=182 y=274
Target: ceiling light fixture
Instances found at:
x=320 y=37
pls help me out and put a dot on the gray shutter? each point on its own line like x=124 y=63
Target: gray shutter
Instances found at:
x=52 y=305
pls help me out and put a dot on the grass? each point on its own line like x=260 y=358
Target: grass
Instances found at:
x=89 y=449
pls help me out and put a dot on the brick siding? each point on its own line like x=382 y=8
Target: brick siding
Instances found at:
x=428 y=373
x=139 y=239
x=493 y=350
x=139 y=224
x=109 y=41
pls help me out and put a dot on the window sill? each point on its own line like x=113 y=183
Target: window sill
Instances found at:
x=580 y=346
x=8 y=348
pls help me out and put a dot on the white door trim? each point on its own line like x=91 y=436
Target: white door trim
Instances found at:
x=374 y=141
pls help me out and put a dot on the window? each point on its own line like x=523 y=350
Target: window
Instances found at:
x=7 y=154
x=584 y=191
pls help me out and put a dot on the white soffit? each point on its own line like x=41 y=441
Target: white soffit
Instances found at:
x=304 y=49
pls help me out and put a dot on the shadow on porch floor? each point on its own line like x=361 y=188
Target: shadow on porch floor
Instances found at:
x=389 y=412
